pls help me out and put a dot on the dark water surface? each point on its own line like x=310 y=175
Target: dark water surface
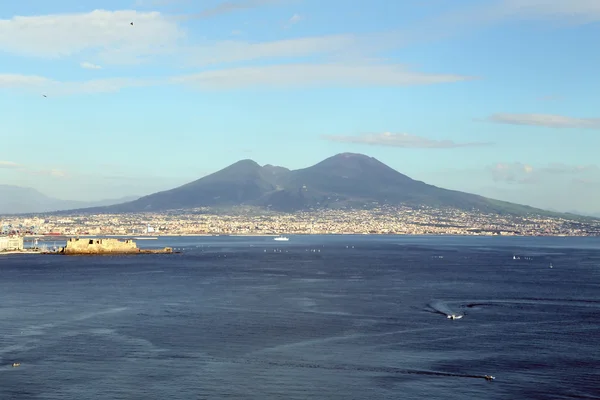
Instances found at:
x=315 y=317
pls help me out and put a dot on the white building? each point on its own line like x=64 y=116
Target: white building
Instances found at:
x=10 y=243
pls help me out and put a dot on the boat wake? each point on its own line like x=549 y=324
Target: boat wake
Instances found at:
x=533 y=302
x=350 y=367
x=440 y=307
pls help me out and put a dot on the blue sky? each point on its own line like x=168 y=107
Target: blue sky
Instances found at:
x=496 y=97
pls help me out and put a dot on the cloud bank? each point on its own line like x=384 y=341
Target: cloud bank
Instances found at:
x=522 y=173
x=545 y=120
x=403 y=140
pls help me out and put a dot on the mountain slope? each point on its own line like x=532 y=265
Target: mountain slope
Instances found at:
x=355 y=180
x=345 y=180
x=23 y=200
x=240 y=183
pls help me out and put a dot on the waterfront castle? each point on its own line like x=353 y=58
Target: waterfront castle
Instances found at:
x=105 y=246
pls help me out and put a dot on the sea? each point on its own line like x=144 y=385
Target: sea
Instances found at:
x=317 y=317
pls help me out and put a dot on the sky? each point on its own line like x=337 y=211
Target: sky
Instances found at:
x=494 y=97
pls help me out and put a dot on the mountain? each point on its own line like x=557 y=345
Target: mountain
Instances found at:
x=588 y=214
x=23 y=200
x=345 y=180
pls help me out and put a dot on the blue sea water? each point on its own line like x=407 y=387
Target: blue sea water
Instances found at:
x=319 y=317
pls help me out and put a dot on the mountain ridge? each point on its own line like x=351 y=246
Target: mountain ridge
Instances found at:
x=25 y=200
x=342 y=181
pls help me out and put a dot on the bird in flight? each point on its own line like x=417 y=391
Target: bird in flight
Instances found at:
x=44 y=95
x=131 y=23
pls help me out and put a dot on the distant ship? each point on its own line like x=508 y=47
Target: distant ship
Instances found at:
x=282 y=239
x=452 y=316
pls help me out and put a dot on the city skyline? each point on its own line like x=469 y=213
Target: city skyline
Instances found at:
x=491 y=97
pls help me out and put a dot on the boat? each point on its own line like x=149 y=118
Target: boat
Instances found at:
x=282 y=239
x=16 y=364
x=489 y=377
x=453 y=316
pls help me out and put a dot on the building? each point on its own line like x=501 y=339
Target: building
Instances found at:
x=11 y=243
x=99 y=246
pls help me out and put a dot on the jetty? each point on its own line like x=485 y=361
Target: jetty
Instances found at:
x=78 y=246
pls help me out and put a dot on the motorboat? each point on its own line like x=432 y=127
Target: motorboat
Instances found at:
x=489 y=377
x=282 y=239
x=453 y=316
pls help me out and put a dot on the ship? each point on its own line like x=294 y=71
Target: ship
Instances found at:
x=282 y=239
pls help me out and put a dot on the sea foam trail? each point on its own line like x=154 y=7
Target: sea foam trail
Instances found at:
x=347 y=367
x=441 y=308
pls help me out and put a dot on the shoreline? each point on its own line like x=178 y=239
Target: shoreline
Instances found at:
x=175 y=235
x=12 y=252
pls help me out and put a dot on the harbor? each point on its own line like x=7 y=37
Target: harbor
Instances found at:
x=75 y=246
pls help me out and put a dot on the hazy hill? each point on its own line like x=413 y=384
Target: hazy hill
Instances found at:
x=342 y=181
x=23 y=200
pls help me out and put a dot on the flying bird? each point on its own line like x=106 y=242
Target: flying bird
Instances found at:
x=131 y=23
x=44 y=95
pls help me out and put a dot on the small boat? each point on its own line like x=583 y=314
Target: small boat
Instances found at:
x=282 y=239
x=454 y=316
x=16 y=364
x=489 y=377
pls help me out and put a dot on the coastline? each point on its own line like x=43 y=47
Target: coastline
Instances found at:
x=12 y=252
x=172 y=235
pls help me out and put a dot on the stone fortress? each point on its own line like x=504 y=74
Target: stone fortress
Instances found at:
x=96 y=246
x=105 y=246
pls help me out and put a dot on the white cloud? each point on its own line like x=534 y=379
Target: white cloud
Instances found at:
x=400 y=140
x=89 y=65
x=302 y=75
x=517 y=172
x=109 y=33
x=513 y=173
x=583 y=10
x=107 y=36
x=551 y=98
x=51 y=87
x=32 y=170
x=9 y=164
x=227 y=7
x=274 y=76
x=53 y=172
x=546 y=120
x=234 y=50
x=293 y=20
x=463 y=18
x=57 y=173
x=21 y=81
x=560 y=168
x=157 y=3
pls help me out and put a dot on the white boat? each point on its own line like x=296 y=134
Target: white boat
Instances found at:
x=282 y=239
x=455 y=316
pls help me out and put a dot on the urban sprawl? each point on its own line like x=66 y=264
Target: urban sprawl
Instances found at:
x=383 y=220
